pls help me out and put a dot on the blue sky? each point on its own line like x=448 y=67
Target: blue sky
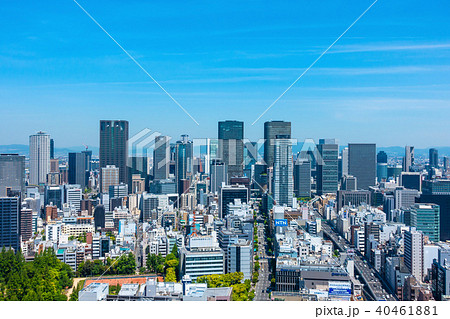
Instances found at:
x=386 y=81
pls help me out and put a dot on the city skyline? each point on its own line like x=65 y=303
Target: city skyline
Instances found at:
x=229 y=63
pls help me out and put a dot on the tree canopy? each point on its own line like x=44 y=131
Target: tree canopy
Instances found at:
x=45 y=278
x=126 y=265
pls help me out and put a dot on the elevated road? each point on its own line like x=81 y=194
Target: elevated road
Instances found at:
x=369 y=276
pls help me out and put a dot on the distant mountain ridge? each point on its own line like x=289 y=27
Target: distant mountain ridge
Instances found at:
x=22 y=149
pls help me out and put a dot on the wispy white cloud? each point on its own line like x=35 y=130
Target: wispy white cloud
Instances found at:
x=374 y=47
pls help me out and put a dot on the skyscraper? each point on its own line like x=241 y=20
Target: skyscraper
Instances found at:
x=109 y=176
x=114 y=146
x=52 y=149
x=345 y=161
x=99 y=217
x=414 y=252
x=434 y=158
x=9 y=222
x=425 y=218
x=184 y=159
x=382 y=157
x=77 y=169
x=283 y=171
x=231 y=146
x=39 y=158
x=302 y=178
x=408 y=159
x=362 y=164
x=161 y=158
x=446 y=163
x=138 y=165
x=327 y=166
x=271 y=130
x=88 y=157
x=218 y=175
x=12 y=173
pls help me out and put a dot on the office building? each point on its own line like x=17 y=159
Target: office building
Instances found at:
x=425 y=218
x=411 y=180
x=228 y=193
x=283 y=182
x=408 y=159
x=382 y=172
x=440 y=279
x=434 y=158
x=118 y=191
x=382 y=157
x=443 y=201
x=77 y=169
x=26 y=224
x=12 y=173
x=446 y=163
x=52 y=149
x=99 y=217
x=114 y=147
x=405 y=198
x=184 y=159
x=74 y=195
x=161 y=158
x=271 y=130
x=413 y=243
x=138 y=165
x=349 y=183
x=201 y=257
x=218 y=175
x=327 y=166
x=344 y=156
x=231 y=146
x=9 y=222
x=302 y=178
x=39 y=158
x=353 y=198
x=362 y=164
x=110 y=175
x=240 y=257
x=54 y=195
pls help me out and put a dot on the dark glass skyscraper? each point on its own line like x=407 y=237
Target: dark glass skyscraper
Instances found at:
x=161 y=158
x=327 y=166
x=382 y=157
x=362 y=164
x=12 y=173
x=302 y=178
x=184 y=159
x=231 y=146
x=114 y=146
x=52 y=149
x=434 y=158
x=271 y=130
x=9 y=222
x=77 y=169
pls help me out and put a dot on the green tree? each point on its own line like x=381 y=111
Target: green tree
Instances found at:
x=170 y=275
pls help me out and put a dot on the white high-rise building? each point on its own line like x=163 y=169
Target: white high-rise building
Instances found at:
x=74 y=195
x=414 y=252
x=408 y=159
x=283 y=171
x=39 y=158
x=345 y=161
